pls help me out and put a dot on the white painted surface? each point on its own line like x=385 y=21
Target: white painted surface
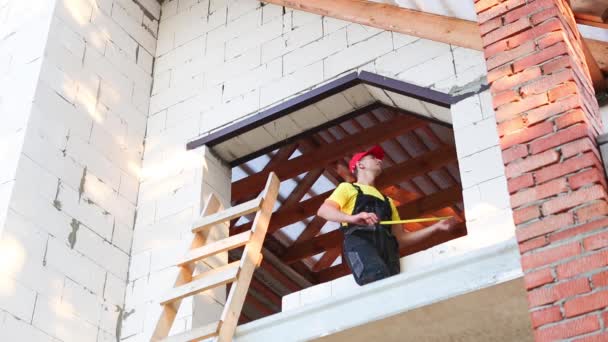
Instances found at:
x=352 y=306
x=71 y=212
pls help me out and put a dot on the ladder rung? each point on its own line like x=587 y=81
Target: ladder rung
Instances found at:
x=196 y=334
x=228 y=214
x=216 y=247
x=203 y=282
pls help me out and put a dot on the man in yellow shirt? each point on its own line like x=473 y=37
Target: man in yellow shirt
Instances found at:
x=371 y=250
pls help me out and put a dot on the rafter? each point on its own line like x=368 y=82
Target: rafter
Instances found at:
x=422 y=206
x=298 y=165
x=327 y=259
x=393 y=175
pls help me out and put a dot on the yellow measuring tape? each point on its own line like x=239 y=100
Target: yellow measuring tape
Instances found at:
x=427 y=219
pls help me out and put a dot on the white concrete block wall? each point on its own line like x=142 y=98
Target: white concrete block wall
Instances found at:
x=219 y=61
x=71 y=212
x=20 y=21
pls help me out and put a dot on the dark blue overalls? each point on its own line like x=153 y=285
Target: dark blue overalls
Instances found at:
x=371 y=252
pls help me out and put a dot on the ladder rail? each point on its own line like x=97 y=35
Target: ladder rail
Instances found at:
x=239 y=272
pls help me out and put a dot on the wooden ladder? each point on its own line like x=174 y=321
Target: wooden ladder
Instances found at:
x=239 y=273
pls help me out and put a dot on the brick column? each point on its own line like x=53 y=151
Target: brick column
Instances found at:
x=548 y=119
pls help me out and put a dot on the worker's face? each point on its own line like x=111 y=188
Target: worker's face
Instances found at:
x=370 y=163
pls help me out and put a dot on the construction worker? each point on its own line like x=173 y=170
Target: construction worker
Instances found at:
x=371 y=249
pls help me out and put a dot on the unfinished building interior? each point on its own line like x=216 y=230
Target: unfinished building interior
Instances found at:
x=145 y=141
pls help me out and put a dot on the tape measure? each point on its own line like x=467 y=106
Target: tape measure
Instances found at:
x=426 y=219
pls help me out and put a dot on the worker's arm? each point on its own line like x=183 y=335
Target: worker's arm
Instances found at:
x=330 y=211
x=408 y=239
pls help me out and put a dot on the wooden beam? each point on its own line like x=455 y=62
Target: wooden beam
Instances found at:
x=422 y=206
x=590 y=10
x=449 y=30
x=303 y=163
x=409 y=169
x=392 y=18
x=597 y=77
x=328 y=258
x=599 y=50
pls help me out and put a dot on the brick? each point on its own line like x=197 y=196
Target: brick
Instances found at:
x=547 y=225
x=549 y=256
x=569 y=166
x=539 y=192
x=547 y=82
x=585 y=304
x=526 y=135
x=498 y=73
x=510 y=126
x=551 y=38
x=573 y=199
x=494 y=49
x=533 y=34
x=504 y=97
x=559 y=138
x=483 y=5
x=580 y=146
x=538 y=278
x=600 y=279
x=511 y=110
x=582 y=265
x=556 y=65
x=490 y=25
x=551 y=12
x=513 y=153
x=578 y=230
x=540 y=57
x=567 y=329
x=591 y=212
x=511 y=80
x=596 y=241
x=593 y=338
x=546 y=315
x=587 y=177
x=506 y=31
x=563 y=90
x=526 y=214
x=499 y=9
x=535 y=243
x=528 y=10
x=520 y=182
x=571 y=118
x=552 y=109
x=531 y=163
x=500 y=57
x=550 y=294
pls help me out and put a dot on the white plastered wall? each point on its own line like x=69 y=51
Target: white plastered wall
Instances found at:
x=69 y=223
x=219 y=61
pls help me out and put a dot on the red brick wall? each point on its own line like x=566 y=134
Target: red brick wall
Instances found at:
x=548 y=119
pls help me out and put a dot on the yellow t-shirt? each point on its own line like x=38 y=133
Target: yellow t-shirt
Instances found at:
x=345 y=196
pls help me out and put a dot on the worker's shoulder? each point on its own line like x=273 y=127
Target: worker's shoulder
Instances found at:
x=345 y=186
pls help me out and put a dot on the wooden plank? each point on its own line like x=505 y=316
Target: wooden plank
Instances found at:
x=238 y=291
x=591 y=10
x=196 y=334
x=227 y=215
x=303 y=163
x=168 y=313
x=389 y=17
x=597 y=77
x=328 y=258
x=454 y=31
x=215 y=248
x=202 y=282
x=398 y=173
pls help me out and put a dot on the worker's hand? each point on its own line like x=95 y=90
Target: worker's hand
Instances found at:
x=448 y=226
x=364 y=219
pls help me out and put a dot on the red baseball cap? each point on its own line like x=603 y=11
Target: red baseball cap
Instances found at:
x=375 y=151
